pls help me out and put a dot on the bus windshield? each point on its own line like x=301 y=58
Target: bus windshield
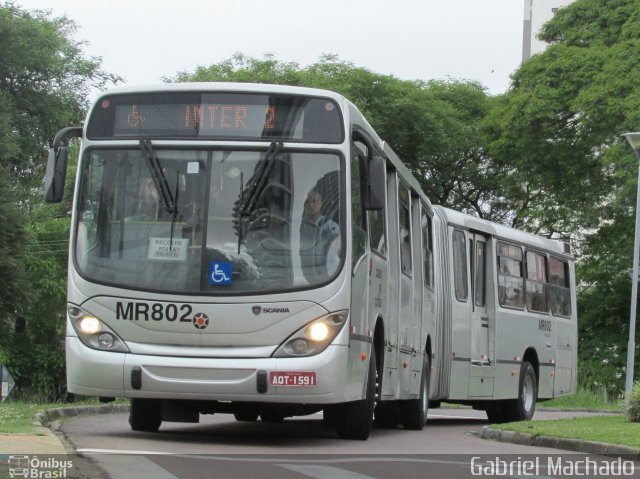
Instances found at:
x=240 y=222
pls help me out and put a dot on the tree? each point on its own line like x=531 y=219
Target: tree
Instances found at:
x=558 y=131
x=432 y=126
x=13 y=280
x=44 y=80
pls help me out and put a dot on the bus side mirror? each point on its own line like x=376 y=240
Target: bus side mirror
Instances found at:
x=56 y=174
x=376 y=182
x=57 y=164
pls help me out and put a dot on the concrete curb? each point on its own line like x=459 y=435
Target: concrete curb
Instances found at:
x=587 y=447
x=597 y=411
x=46 y=417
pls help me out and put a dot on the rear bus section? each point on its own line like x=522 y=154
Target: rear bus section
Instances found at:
x=510 y=311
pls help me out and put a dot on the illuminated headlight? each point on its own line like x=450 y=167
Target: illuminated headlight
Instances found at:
x=314 y=337
x=318 y=331
x=89 y=324
x=93 y=332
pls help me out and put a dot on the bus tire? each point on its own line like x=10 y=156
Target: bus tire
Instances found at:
x=356 y=417
x=415 y=411
x=522 y=408
x=145 y=414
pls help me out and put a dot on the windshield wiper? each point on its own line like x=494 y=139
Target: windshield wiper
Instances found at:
x=260 y=178
x=158 y=177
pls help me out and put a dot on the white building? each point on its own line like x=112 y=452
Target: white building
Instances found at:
x=536 y=14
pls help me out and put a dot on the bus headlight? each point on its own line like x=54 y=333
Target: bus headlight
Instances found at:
x=94 y=333
x=89 y=324
x=314 y=337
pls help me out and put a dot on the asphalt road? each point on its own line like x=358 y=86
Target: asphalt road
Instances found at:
x=297 y=448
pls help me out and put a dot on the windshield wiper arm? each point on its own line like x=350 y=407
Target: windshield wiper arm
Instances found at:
x=158 y=176
x=261 y=177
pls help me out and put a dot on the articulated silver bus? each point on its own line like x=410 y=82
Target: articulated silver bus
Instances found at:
x=258 y=250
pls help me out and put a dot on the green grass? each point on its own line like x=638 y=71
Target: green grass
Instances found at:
x=582 y=399
x=610 y=429
x=16 y=417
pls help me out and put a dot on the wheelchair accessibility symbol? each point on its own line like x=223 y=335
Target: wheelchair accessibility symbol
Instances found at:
x=220 y=273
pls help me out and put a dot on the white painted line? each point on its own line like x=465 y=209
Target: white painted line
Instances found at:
x=125 y=452
x=126 y=467
x=446 y=416
x=323 y=472
x=275 y=458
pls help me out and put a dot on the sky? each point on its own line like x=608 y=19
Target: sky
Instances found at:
x=144 y=40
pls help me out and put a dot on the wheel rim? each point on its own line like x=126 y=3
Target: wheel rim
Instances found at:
x=425 y=396
x=528 y=391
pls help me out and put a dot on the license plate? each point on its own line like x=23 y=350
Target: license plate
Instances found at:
x=293 y=378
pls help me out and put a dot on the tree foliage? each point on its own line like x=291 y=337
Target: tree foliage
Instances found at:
x=45 y=79
x=558 y=128
x=432 y=126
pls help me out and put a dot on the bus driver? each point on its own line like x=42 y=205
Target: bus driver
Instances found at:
x=318 y=233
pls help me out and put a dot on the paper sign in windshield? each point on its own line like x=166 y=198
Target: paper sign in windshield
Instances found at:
x=167 y=249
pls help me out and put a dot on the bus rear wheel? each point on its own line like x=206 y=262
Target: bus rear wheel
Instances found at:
x=415 y=411
x=356 y=417
x=523 y=407
x=145 y=414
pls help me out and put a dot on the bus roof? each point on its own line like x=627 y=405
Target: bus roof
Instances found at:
x=463 y=220
x=223 y=87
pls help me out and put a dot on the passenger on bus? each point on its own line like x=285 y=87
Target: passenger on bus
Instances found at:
x=147 y=203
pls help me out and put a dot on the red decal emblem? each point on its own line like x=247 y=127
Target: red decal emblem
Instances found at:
x=200 y=321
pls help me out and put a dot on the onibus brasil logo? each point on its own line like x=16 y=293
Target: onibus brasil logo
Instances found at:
x=38 y=468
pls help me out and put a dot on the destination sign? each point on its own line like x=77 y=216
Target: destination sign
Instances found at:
x=216 y=116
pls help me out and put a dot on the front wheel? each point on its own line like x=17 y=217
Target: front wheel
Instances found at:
x=355 y=418
x=145 y=414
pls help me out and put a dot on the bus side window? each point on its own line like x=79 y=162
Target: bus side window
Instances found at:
x=405 y=230
x=480 y=287
x=537 y=284
x=377 y=238
x=460 y=265
x=510 y=276
x=358 y=231
x=427 y=248
x=560 y=287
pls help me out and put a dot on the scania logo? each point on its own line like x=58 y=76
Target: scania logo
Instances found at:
x=259 y=309
x=200 y=321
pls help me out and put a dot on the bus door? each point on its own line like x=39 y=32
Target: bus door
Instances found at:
x=407 y=306
x=563 y=309
x=482 y=324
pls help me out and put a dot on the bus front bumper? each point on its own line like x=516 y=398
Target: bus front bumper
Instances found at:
x=109 y=374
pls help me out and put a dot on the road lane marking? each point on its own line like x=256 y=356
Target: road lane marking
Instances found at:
x=275 y=458
x=126 y=466
x=447 y=416
x=126 y=452
x=323 y=472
